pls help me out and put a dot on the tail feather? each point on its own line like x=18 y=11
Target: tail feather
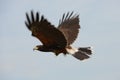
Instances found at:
x=80 y=53
x=86 y=49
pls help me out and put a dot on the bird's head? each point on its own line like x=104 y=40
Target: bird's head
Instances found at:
x=38 y=47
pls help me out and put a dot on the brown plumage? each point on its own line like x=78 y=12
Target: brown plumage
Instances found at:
x=69 y=26
x=57 y=40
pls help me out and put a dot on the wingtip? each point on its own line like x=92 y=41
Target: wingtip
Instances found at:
x=32 y=15
x=37 y=16
x=32 y=11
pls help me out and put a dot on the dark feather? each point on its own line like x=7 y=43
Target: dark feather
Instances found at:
x=66 y=16
x=70 y=27
x=70 y=15
x=63 y=17
x=45 y=31
x=26 y=24
x=28 y=19
x=37 y=17
x=32 y=15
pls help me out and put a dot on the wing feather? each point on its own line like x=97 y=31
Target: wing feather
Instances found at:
x=44 y=31
x=69 y=26
x=37 y=17
x=32 y=15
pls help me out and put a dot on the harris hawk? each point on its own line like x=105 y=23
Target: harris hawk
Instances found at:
x=57 y=40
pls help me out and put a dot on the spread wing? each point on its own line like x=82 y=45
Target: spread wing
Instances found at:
x=44 y=31
x=69 y=25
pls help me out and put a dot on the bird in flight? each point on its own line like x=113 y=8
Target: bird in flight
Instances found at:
x=57 y=40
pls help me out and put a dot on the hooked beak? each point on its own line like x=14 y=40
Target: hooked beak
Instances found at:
x=35 y=48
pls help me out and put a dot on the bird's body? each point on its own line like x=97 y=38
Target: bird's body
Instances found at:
x=57 y=40
x=53 y=49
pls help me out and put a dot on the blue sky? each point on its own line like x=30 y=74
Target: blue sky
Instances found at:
x=100 y=27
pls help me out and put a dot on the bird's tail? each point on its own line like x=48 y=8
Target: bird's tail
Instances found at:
x=80 y=53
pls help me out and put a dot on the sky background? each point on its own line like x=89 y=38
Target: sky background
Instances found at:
x=100 y=28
